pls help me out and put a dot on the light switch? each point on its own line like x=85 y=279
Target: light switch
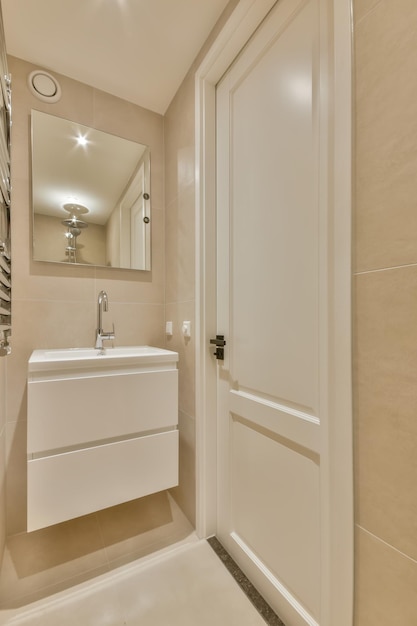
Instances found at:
x=186 y=329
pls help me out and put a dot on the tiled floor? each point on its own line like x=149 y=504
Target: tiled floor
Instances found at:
x=185 y=585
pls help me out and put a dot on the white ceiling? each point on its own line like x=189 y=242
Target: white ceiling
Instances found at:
x=139 y=50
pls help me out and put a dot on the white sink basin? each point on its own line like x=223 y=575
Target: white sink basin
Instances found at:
x=86 y=357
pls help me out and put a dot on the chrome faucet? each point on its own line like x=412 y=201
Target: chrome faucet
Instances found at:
x=101 y=335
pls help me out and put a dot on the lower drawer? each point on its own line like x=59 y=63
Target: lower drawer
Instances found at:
x=75 y=483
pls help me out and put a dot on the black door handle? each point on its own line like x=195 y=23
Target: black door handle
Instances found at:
x=219 y=342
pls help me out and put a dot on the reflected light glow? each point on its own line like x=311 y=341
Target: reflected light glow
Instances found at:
x=81 y=140
x=300 y=88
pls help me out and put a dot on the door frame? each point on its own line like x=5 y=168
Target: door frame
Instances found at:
x=337 y=499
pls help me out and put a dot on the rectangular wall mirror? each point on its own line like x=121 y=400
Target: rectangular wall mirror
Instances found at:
x=90 y=196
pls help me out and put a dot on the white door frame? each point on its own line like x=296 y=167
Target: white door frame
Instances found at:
x=337 y=522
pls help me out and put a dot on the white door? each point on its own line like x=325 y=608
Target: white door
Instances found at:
x=272 y=307
x=137 y=231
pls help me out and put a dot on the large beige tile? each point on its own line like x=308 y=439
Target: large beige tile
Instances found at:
x=76 y=102
x=126 y=119
x=48 y=548
x=185 y=493
x=362 y=7
x=54 y=324
x=47 y=557
x=52 y=281
x=185 y=585
x=2 y=493
x=178 y=313
x=180 y=247
x=137 y=517
x=17 y=376
x=43 y=324
x=386 y=405
x=16 y=477
x=179 y=135
x=139 y=528
x=136 y=324
x=3 y=392
x=386 y=130
x=79 y=601
x=190 y=586
x=385 y=584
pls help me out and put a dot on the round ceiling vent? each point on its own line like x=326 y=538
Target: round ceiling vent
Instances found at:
x=44 y=86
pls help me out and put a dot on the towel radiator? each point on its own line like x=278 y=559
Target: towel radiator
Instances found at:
x=5 y=199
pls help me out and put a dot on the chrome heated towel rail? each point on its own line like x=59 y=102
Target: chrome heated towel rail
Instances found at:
x=5 y=199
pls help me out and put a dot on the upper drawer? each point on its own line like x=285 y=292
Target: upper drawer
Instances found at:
x=73 y=411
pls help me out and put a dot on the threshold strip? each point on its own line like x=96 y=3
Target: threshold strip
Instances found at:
x=260 y=604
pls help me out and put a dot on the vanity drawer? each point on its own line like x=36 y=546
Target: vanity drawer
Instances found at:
x=69 y=411
x=64 y=486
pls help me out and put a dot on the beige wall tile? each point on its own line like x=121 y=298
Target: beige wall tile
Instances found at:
x=48 y=325
x=178 y=313
x=136 y=528
x=386 y=405
x=34 y=561
x=2 y=493
x=136 y=324
x=130 y=519
x=2 y=457
x=180 y=246
x=16 y=478
x=76 y=103
x=185 y=493
x=386 y=130
x=385 y=307
x=386 y=584
x=362 y=7
x=164 y=524
x=3 y=389
x=179 y=141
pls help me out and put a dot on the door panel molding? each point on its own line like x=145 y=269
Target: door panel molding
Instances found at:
x=298 y=427
x=297 y=613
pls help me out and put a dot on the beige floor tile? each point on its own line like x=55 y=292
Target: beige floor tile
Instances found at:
x=186 y=585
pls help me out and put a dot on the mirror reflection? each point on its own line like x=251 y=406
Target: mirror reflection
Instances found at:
x=90 y=194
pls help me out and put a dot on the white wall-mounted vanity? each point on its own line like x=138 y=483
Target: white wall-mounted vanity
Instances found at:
x=102 y=429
